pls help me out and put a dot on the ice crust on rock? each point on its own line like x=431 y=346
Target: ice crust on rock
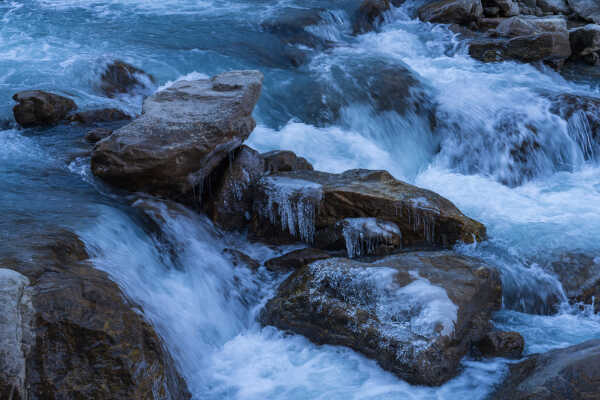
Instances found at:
x=363 y=235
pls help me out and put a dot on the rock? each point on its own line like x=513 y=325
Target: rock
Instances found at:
x=579 y=275
x=16 y=333
x=585 y=44
x=554 y=6
x=229 y=200
x=416 y=313
x=101 y=115
x=310 y=205
x=589 y=10
x=88 y=340
x=572 y=373
x=551 y=47
x=506 y=8
x=96 y=135
x=295 y=259
x=523 y=26
x=452 y=11
x=289 y=24
x=369 y=15
x=237 y=258
x=39 y=108
x=502 y=344
x=183 y=134
x=582 y=114
x=284 y=161
x=119 y=77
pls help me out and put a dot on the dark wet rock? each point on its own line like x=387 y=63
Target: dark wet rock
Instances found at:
x=78 y=335
x=238 y=258
x=585 y=44
x=296 y=259
x=304 y=204
x=554 y=6
x=369 y=15
x=505 y=8
x=551 y=47
x=228 y=201
x=101 y=115
x=501 y=344
x=39 y=108
x=96 y=135
x=579 y=275
x=183 y=134
x=589 y=10
x=284 y=161
x=572 y=373
x=417 y=314
x=120 y=77
x=524 y=26
x=289 y=24
x=452 y=11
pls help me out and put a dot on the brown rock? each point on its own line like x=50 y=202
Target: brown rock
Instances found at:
x=579 y=275
x=101 y=115
x=506 y=8
x=183 y=134
x=303 y=204
x=452 y=11
x=502 y=344
x=369 y=15
x=119 y=77
x=572 y=373
x=416 y=313
x=238 y=258
x=295 y=259
x=96 y=135
x=284 y=161
x=585 y=44
x=39 y=108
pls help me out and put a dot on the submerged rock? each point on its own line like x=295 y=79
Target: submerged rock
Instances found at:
x=119 y=77
x=183 y=134
x=313 y=206
x=284 y=161
x=73 y=334
x=295 y=259
x=416 y=313
x=572 y=373
x=369 y=15
x=101 y=115
x=452 y=11
x=501 y=344
x=39 y=108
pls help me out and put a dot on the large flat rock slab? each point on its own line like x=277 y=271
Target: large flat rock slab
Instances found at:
x=184 y=132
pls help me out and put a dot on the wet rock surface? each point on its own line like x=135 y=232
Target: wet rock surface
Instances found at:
x=585 y=44
x=285 y=161
x=589 y=10
x=309 y=205
x=183 y=134
x=119 y=77
x=39 y=108
x=572 y=373
x=295 y=259
x=101 y=115
x=416 y=313
x=452 y=11
x=501 y=344
x=96 y=135
x=579 y=275
x=79 y=337
x=369 y=15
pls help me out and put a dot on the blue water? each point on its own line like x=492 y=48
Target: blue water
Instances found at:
x=201 y=305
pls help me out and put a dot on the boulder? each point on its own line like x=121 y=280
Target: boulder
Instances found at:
x=585 y=44
x=552 y=48
x=238 y=258
x=314 y=206
x=452 y=11
x=523 y=26
x=118 y=77
x=295 y=259
x=101 y=115
x=572 y=373
x=501 y=344
x=74 y=334
x=579 y=275
x=589 y=10
x=289 y=25
x=228 y=201
x=554 y=7
x=417 y=314
x=183 y=134
x=39 y=108
x=505 y=8
x=284 y=161
x=96 y=135
x=369 y=15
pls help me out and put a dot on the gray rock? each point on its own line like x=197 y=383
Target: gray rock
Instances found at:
x=505 y=8
x=16 y=333
x=183 y=134
x=586 y=9
x=572 y=373
x=417 y=314
x=524 y=26
x=452 y=11
x=554 y=6
x=585 y=43
x=312 y=206
x=39 y=108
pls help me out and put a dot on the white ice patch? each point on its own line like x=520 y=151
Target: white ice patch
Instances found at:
x=363 y=235
x=413 y=313
x=297 y=203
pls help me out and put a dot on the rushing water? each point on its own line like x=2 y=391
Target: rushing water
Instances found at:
x=443 y=121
